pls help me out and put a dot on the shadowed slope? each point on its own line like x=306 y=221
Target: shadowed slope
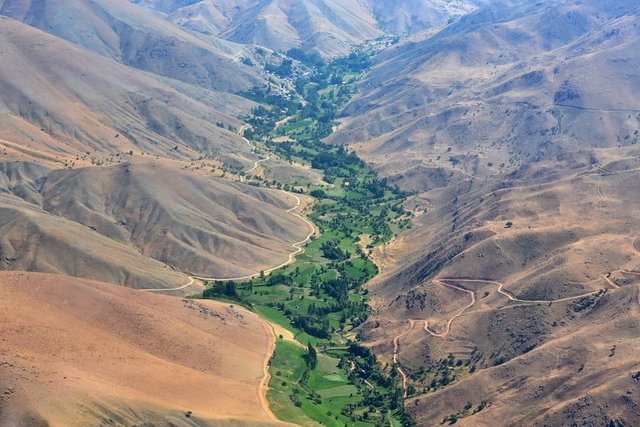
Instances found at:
x=328 y=26
x=145 y=212
x=65 y=106
x=35 y=240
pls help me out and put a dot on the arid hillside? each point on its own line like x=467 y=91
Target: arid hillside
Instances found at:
x=140 y=224
x=503 y=87
x=327 y=26
x=132 y=162
x=63 y=105
x=513 y=127
x=407 y=17
x=330 y=27
x=139 y=38
x=77 y=353
x=526 y=283
x=517 y=129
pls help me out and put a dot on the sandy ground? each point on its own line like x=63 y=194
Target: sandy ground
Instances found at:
x=76 y=352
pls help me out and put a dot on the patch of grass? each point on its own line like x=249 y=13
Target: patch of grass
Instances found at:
x=275 y=316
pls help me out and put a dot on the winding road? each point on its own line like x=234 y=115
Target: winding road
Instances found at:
x=445 y=333
x=298 y=246
x=246 y=140
x=396 y=347
x=269 y=327
x=607 y=276
x=191 y=282
x=255 y=165
x=263 y=388
x=524 y=302
x=450 y=321
x=512 y=298
x=298 y=249
x=610 y=282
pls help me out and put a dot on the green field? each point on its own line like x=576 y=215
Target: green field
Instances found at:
x=326 y=392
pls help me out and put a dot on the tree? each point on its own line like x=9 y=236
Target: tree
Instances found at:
x=311 y=310
x=311 y=357
x=318 y=194
x=411 y=389
x=230 y=289
x=331 y=250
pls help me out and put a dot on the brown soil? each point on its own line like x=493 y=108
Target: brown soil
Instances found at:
x=77 y=352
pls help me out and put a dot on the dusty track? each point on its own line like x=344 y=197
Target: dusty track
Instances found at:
x=257 y=162
x=191 y=282
x=500 y=291
x=396 y=347
x=603 y=202
x=610 y=282
x=263 y=388
x=607 y=277
x=512 y=298
x=255 y=165
x=298 y=246
x=445 y=333
x=450 y=321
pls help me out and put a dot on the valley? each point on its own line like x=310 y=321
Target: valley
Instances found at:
x=319 y=213
x=319 y=374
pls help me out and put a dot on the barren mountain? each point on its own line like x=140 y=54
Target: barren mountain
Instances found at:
x=139 y=38
x=62 y=104
x=517 y=128
x=406 y=17
x=77 y=353
x=328 y=26
x=117 y=130
x=513 y=300
x=142 y=147
x=499 y=89
x=138 y=219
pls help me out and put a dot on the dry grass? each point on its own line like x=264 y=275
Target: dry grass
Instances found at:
x=79 y=352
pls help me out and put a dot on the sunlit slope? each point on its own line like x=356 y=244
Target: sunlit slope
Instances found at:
x=62 y=104
x=503 y=87
x=517 y=128
x=137 y=37
x=81 y=353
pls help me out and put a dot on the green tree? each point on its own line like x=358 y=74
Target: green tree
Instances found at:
x=311 y=357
